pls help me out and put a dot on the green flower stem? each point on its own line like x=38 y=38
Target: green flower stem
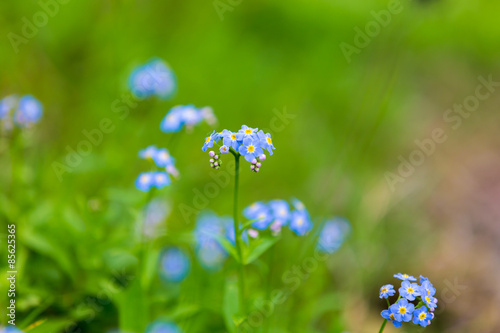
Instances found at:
x=237 y=230
x=383 y=326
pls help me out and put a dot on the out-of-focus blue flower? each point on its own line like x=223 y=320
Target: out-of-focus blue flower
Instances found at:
x=260 y=211
x=300 y=223
x=250 y=149
x=402 y=310
x=298 y=205
x=280 y=210
x=145 y=181
x=208 y=249
x=409 y=290
x=186 y=115
x=422 y=317
x=153 y=78
x=161 y=179
x=387 y=314
x=155 y=214
x=266 y=142
x=29 y=111
x=174 y=265
x=162 y=158
x=148 y=153
x=404 y=277
x=160 y=326
x=333 y=235
x=7 y=106
x=386 y=291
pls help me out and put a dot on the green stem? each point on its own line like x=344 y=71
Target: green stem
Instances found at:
x=383 y=326
x=237 y=231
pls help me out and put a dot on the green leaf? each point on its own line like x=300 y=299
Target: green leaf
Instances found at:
x=49 y=326
x=133 y=308
x=226 y=244
x=260 y=249
x=248 y=224
x=230 y=306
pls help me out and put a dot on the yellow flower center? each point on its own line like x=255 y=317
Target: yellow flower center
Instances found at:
x=144 y=178
x=300 y=221
x=391 y=316
x=410 y=290
x=233 y=137
x=427 y=299
x=251 y=149
x=405 y=275
x=422 y=316
x=248 y=131
x=269 y=140
x=428 y=292
x=402 y=310
x=207 y=139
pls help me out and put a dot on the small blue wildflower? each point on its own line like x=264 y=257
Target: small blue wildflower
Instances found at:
x=281 y=211
x=161 y=179
x=162 y=327
x=174 y=265
x=162 y=158
x=29 y=111
x=260 y=211
x=427 y=288
x=402 y=310
x=250 y=149
x=209 y=141
x=153 y=78
x=404 y=277
x=422 y=279
x=266 y=142
x=145 y=181
x=300 y=222
x=386 y=291
x=172 y=122
x=248 y=132
x=333 y=235
x=387 y=314
x=422 y=317
x=409 y=290
x=231 y=139
x=148 y=153
x=298 y=205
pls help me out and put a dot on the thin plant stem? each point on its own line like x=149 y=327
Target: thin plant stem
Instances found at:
x=383 y=326
x=237 y=231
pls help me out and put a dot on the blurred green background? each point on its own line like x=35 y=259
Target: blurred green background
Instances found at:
x=351 y=121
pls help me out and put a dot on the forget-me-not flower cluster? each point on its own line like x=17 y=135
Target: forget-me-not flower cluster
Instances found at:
x=160 y=178
x=248 y=142
x=276 y=214
x=403 y=310
x=188 y=116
